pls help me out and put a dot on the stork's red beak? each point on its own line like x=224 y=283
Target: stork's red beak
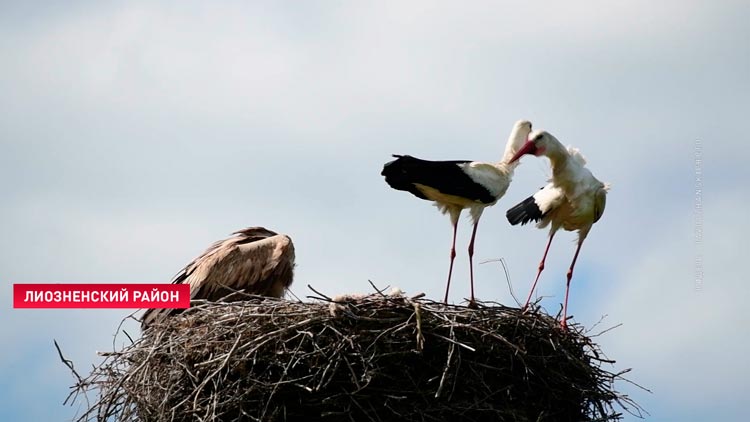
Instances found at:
x=528 y=148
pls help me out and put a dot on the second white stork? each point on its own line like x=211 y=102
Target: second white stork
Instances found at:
x=573 y=200
x=457 y=185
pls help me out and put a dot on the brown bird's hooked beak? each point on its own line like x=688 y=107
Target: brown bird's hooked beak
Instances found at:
x=528 y=148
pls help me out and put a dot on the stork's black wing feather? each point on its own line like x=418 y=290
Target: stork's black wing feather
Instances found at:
x=524 y=212
x=447 y=177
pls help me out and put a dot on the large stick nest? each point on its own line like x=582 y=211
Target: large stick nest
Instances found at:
x=360 y=358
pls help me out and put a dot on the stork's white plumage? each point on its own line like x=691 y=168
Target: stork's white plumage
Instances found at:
x=457 y=185
x=573 y=200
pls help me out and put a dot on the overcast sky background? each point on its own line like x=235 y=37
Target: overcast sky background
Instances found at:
x=134 y=135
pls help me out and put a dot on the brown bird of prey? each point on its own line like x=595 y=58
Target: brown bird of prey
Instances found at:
x=254 y=261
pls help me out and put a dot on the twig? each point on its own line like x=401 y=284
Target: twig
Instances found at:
x=451 y=348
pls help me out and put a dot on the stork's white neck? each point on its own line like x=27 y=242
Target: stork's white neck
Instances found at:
x=559 y=158
x=515 y=141
x=558 y=162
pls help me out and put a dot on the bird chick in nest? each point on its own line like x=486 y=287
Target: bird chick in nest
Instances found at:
x=338 y=303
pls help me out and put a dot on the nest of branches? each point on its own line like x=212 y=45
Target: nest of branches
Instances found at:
x=354 y=358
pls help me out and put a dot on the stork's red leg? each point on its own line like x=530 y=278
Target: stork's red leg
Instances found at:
x=471 y=261
x=453 y=256
x=567 y=286
x=541 y=267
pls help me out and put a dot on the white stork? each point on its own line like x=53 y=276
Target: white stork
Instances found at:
x=456 y=185
x=254 y=261
x=573 y=200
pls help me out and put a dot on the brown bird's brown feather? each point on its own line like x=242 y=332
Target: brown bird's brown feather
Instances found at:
x=254 y=261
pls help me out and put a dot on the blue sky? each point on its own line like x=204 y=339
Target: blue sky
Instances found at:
x=133 y=135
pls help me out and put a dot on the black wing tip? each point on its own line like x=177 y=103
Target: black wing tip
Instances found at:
x=389 y=166
x=524 y=212
x=398 y=168
x=399 y=174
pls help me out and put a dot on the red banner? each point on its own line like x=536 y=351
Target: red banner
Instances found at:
x=101 y=295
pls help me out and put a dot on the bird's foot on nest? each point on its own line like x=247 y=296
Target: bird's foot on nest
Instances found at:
x=564 y=324
x=473 y=304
